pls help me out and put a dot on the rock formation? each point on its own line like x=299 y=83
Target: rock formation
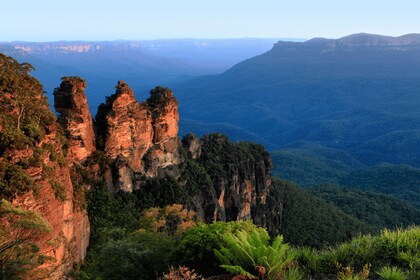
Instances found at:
x=125 y=134
x=141 y=139
x=245 y=179
x=193 y=145
x=164 y=153
x=240 y=178
x=71 y=104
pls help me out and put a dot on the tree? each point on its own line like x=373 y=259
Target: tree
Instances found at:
x=19 y=233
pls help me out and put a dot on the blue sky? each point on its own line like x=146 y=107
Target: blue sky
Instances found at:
x=48 y=20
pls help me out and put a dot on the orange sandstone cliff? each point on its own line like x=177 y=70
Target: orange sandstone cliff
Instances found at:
x=34 y=170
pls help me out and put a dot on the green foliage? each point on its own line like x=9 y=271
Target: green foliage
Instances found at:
x=26 y=101
x=218 y=154
x=312 y=165
x=401 y=181
x=84 y=175
x=250 y=254
x=110 y=214
x=58 y=157
x=173 y=219
x=196 y=248
x=159 y=192
x=195 y=177
x=310 y=221
x=309 y=164
x=19 y=252
x=375 y=209
x=24 y=120
x=12 y=138
x=13 y=180
x=376 y=251
x=59 y=190
x=138 y=255
x=391 y=273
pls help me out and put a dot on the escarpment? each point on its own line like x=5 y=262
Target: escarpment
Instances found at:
x=35 y=178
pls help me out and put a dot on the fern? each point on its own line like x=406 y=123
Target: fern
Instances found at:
x=245 y=253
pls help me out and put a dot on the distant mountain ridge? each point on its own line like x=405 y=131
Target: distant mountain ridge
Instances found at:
x=122 y=45
x=359 y=93
x=144 y=64
x=365 y=39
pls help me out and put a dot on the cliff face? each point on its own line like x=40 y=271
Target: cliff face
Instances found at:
x=240 y=178
x=68 y=241
x=74 y=117
x=164 y=153
x=35 y=174
x=140 y=139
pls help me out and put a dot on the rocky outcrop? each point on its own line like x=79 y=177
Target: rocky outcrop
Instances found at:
x=165 y=117
x=140 y=138
x=35 y=175
x=193 y=145
x=74 y=117
x=240 y=175
x=68 y=241
x=125 y=133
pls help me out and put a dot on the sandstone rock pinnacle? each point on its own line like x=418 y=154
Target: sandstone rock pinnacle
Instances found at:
x=74 y=117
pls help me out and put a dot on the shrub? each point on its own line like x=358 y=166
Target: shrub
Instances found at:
x=251 y=255
x=140 y=255
x=391 y=273
x=13 y=180
x=398 y=248
x=170 y=219
x=59 y=190
x=196 y=248
x=12 y=138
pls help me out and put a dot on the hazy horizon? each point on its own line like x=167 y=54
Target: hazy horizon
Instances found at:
x=163 y=39
x=49 y=21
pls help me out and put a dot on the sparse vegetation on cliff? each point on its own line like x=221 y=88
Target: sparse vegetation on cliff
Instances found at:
x=24 y=120
x=19 y=237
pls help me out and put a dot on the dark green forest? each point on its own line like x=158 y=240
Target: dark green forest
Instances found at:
x=312 y=165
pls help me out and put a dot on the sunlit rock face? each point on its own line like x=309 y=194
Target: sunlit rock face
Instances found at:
x=74 y=117
x=141 y=138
